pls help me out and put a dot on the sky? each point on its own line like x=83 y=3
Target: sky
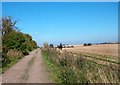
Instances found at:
x=65 y=22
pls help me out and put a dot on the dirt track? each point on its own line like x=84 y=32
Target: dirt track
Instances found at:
x=30 y=69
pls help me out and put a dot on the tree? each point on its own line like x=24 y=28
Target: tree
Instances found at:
x=85 y=44
x=60 y=46
x=51 y=46
x=89 y=44
x=8 y=25
x=46 y=45
x=13 y=39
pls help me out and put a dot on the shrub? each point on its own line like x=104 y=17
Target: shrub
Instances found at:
x=14 y=42
x=60 y=46
x=25 y=52
x=51 y=46
x=68 y=76
x=89 y=44
x=14 y=53
x=46 y=45
x=85 y=44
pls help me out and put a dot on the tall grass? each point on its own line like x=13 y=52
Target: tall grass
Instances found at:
x=77 y=69
x=12 y=57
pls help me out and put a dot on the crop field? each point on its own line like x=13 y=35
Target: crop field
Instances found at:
x=101 y=54
x=82 y=64
x=103 y=49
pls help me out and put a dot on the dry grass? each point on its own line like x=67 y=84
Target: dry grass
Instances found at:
x=14 y=53
x=105 y=49
x=82 y=68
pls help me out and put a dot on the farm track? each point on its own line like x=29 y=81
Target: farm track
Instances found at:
x=30 y=69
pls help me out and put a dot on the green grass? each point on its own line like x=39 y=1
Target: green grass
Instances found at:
x=59 y=72
x=53 y=69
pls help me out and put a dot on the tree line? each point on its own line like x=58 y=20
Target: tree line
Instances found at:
x=15 y=44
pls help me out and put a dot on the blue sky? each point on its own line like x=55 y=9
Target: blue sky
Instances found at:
x=70 y=23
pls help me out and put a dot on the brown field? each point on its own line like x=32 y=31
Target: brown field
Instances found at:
x=101 y=54
x=104 y=49
x=97 y=63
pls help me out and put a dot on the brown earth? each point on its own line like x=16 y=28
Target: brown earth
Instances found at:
x=30 y=69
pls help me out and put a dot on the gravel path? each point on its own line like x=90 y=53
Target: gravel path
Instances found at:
x=30 y=69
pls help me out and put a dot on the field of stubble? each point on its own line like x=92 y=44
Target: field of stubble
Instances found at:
x=94 y=64
x=102 y=54
x=104 y=49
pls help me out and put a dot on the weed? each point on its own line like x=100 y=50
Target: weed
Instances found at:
x=67 y=68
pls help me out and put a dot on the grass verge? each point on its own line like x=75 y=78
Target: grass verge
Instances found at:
x=67 y=68
x=53 y=69
x=8 y=65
